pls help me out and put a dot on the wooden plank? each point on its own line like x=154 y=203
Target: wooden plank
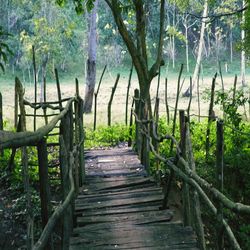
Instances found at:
x=135 y=218
x=118 y=203
x=122 y=212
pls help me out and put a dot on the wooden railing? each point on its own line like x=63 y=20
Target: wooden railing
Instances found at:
x=71 y=162
x=182 y=165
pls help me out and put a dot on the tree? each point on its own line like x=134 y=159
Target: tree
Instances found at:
x=200 y=49
x=91 y=61
x=4 y=48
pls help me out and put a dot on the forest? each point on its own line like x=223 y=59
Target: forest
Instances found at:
x=133 y=63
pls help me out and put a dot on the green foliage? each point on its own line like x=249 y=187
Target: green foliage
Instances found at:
x=105 y=136
x=4 y=48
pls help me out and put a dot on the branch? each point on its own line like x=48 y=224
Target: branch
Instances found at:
x=214 y=16
x=159 y=62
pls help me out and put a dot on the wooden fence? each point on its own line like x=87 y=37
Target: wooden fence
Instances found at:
x=71 y=162
x=182 y=166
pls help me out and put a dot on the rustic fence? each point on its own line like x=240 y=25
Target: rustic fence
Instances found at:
x=182 y=165
x=70 y=142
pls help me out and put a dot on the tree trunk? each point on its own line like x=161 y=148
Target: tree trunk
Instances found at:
x=200 y=49
x=243 y=55
x=91 y=61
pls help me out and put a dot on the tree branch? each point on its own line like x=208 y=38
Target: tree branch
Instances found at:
x=159 y=62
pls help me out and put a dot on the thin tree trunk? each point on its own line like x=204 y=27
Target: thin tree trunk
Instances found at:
x=243 y=55
x=200 y=49
x=91 y=61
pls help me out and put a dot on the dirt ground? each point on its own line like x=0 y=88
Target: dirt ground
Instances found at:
x=118 y=107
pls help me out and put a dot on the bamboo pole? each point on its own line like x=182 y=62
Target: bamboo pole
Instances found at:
x=210 y=116
x=96 y=95
x=35 y=80
x=127 y=95
x=111 y=99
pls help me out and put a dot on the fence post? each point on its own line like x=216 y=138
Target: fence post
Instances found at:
x=81 y=140
x=131 y=124
x=185 y=191
x=137 y=125
x=220 y=173
x=166 y=100
x=35 y=81
x=58 y=88
x=210 y=116
x=194 y=197
x=44 y=182
x=111 y=99
x=127 y=96
x=1 y=118
x=65 y=141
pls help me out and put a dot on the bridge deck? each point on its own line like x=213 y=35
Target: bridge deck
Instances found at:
x=119 y=208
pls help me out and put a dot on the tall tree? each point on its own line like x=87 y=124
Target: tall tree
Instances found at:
x=200 y=48
x=91 y=61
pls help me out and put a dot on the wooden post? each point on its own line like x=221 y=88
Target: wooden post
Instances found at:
x=127 y=96
x=234 y=88
x=190 y=99
x=166 y=100
x=58 y=88
x=185 y=190
x=111 y=99
x=1 y=118
x=176 y=106
x=44 y=181
x=16 y=107
x=35 y=80
x=137 y=125
x=131 y=124
x=95 y=96
x=198 y=95
x=220 y=181
x=210 y=116
x=25 y=172
x=81 y=138
x=194 y=197
x=65 y=145
x=44 y=99
x=44 y=186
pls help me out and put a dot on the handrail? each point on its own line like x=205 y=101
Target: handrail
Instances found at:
x=41 y=243
x=234 y=206
x=13 y=139
x=189 y=176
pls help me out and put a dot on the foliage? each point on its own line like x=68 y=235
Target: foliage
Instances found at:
x=105 y=136
x=4 y=48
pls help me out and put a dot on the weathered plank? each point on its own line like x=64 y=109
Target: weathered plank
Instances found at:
x=118 y=208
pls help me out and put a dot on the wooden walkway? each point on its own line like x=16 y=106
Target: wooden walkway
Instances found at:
x=119 y=208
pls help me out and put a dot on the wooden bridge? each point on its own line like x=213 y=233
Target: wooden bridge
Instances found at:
x=110 y=202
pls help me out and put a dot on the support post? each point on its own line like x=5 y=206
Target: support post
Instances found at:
x=196 y=219
x=185 y=190
x=166 y=100
x=35 y=81
x=220 y=181
x=44 y=183
x=211 y=116
x=127 y=96
x=111 y=99
x=137 y=125
x=58 y=88
x=1 y=118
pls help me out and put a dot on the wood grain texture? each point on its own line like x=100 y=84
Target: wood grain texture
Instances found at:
x=118 y=208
